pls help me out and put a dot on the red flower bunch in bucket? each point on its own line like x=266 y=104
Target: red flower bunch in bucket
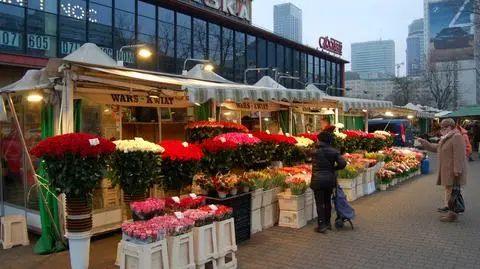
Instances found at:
x=311 y=136
x=83 y=145
x=211 y=146
x=182 y=151
x=275 y=138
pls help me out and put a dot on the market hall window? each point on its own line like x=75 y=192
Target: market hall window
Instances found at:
x=296 y=70
x=100 y=24
x=317 y=74
x=329 y=73
x=288 y=68
x=184 y=40
x=280 y=58
x=214 y=43
x=12 y=28
x=124 y=31
x=227 y=53
x=272 y=55
x=199 y=39
x=41 y=33
x=166 y=40
x=303 y=67
x=323 y=75
x=146 y=34
x=252 y=46
x=310 y=78
x=72 y=25
x=240 y=56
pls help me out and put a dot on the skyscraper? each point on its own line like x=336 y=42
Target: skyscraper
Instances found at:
x=374 y=59
x=415 y=48
x=287 y=21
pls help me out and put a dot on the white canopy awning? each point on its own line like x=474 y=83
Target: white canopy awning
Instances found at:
x=90 y=53
x=268 y=82
x=199 y=72
x=421 y=113
x=353 y=103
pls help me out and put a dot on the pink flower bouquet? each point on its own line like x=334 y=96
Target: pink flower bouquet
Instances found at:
x=148 y=209
x=237 y=138
x=200 y=217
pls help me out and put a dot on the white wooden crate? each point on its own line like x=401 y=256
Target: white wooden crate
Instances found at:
x=180 y=251
x=291 y=202
x=226 y=236
x=257 y=196
x=228 y=261
x=256 y=221
x=292 y=219
x=205 y=243
x=136 y=256
x=13 y=231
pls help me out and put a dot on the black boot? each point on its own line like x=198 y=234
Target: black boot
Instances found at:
x=322 y=227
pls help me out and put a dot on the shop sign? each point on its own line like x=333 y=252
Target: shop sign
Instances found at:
x=330 y=44
x=14 y=39
x=237 y=8
x=252 y=106
x=140 y=100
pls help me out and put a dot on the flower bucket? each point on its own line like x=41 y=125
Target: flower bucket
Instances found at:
x=291 y=202
x=79 y=248
x=277 y=164
x=234 y=191
x=222 y=194
x=383 y=187
x=245 y=189
x=79 y=215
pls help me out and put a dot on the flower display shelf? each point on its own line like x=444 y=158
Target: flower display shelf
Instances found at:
x=268 y=215
x=256 y=220
x=292 y=219
x=241 y=205
x=13 y=231
x=257 y=196
x=383 y=187
x=291 y=202
x=228 y=261
x=226 y=238
x=180 y=251
x=137 y=256
x=205 y=243
x=270 y=196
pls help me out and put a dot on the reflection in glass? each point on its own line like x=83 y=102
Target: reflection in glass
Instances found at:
x=253 y=77
x=184 y=45
x=280 y=58
x=323 y=78
x=288 y=67
x=329 y=73
x=310 y=67
x=214 y=43
x=100 y=14
x=272 y=55
x=43 y=5
x=296 y=69
x=317 y=70
x=199 y=39
x=12 y=23
x=126 y=5
x=146 y=9
x=124 y=20
x=240 y=56
x=41 y=32
x=166 y=41
x=227 y=54
x=303 y=66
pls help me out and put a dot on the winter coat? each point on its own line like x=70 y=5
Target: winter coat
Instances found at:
x=326 y=160
x=451 y=159
x=468 y=145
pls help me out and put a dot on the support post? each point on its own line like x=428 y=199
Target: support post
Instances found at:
x=366 y=121
x=290 y=120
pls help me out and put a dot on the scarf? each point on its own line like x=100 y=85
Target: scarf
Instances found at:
x=447 y=136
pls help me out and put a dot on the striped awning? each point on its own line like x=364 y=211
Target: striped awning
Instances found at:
x=239 y=94
x=354 y=103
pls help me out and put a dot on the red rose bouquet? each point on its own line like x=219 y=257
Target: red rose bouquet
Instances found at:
x=180 y=163
x=218 y=156
x=201 y=130
x=75 y=164
x=220 y=212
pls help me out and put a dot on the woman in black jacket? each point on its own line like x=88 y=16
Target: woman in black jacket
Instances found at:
x=326 y=160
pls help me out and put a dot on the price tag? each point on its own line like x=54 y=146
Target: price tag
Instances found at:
x=193 y=195
x=287 y=134
x=176 y=199
x=177 y=229
x=93 y=141
x=268 y=132
x=304 y=172
x=179 y=215
x=250 y=135
x=213 y=207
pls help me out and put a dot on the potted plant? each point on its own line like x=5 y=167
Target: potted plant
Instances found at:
x=224 y=184
x=246 y=184
x=204 y=182
x=180 y=163
x=75 y=164
x=135 y=166
x=385 y=178
x=347 y=179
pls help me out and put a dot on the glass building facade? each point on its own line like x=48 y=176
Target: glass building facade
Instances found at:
x=55 y=28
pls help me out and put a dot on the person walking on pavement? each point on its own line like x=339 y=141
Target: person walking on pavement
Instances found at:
x=452 y=163
x=326 y=160
x=468 y=145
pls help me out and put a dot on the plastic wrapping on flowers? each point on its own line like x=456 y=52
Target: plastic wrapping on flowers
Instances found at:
x=200 y=130
x=180 y=163
x=135 y=165
x=75 y=163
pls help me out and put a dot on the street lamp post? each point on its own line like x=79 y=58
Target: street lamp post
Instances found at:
x=252 y=69
x=207 y=64
x=143 y=51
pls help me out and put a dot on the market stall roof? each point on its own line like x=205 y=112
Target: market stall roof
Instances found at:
x=467 y=111
x=421 y=113
x=90 y=53
x=353 y=103
x=268 y=82
x=199 y=72
x=442 y=114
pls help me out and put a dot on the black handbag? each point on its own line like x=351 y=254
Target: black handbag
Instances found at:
x=456 y=199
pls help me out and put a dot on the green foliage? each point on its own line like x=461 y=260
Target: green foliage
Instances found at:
x=350 y=172
x=298 y=189
x=135 y=171
x=73 y=175
x=198 y=134
x=178 y=174
x=289 y=154
x=220 y=162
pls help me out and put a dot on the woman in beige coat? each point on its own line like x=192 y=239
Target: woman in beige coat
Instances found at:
x=452 y=163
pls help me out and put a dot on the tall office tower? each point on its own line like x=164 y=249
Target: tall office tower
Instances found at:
x=416 y=48
x=288 y=21
x=374 y=59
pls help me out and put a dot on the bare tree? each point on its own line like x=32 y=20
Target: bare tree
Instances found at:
x=404 y=90
x=441 y=79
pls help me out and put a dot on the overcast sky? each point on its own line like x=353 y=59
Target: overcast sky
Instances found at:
x=349 y=21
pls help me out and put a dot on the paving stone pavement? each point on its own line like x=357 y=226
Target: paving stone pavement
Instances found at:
x=394 y=229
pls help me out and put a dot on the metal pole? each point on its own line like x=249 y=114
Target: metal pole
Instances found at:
x=366 y=122
x=290 y=120
x=336 y=115
x=159 y=113
x=260 y=119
